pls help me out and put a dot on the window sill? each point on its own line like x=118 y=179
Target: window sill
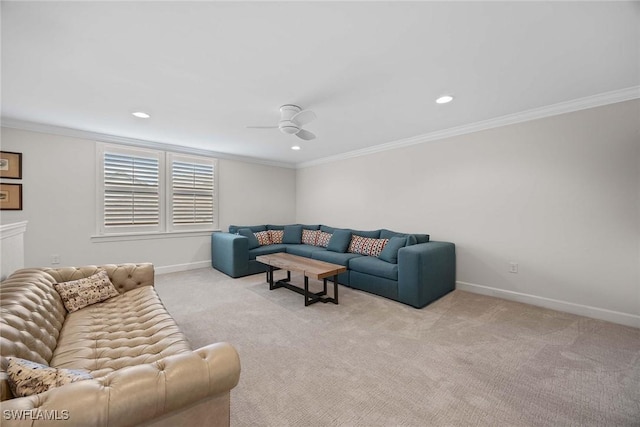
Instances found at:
x=123 y=237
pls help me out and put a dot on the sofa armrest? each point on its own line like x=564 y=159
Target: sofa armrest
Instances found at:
x=230 y=253
x=133 y=395
x=426 y=272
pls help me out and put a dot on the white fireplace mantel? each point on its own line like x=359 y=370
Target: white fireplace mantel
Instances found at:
x=12 y=247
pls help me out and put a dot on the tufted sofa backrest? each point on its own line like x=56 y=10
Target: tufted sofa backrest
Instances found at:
x=31 y=316
x=32 y=313
x=124 y=277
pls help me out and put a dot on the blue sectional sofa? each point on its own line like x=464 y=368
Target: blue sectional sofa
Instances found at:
x=408 y=268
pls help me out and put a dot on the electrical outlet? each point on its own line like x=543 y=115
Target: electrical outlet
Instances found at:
x=55 y=259
x=513 y=267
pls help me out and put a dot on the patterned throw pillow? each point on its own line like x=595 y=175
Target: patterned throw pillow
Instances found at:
x=367 y=245
x=80 y=293
x=26 y=378
x=276 y=236
x=323 y=238
x=264 y=237
x=309 y=237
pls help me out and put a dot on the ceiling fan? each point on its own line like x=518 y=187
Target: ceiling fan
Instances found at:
x=292 y=118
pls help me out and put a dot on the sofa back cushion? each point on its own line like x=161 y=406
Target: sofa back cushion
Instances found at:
x=32 y=316
x=233 y=229
x=413 y=238
x=390 y=251
x=253 y=240
x=311 y=226
x=373 y=234
x=339 y=241
x=292 y=234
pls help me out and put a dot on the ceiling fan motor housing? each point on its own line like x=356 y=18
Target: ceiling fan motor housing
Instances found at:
x=286 y=125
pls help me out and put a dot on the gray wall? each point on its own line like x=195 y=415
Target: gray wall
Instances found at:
x=59 y=200
x=560 y=196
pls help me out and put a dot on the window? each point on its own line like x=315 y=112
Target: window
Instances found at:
x=149 y=191
x=191 y=200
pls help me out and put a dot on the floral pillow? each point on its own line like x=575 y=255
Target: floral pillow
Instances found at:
x=309 y=237
x=367 y=245
x=323 y=239
x=276 y=236
x=80 y=293
x=264 y=238
x=27 y=378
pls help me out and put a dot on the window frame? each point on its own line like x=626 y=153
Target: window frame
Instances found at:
x=187 y=158
x=165 y=185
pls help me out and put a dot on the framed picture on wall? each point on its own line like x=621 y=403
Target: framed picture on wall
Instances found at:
x=10 y=165
x=11 y=197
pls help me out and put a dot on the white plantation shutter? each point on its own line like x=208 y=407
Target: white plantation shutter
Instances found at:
x=142 y=190
x=131 y=194
x=192 y=201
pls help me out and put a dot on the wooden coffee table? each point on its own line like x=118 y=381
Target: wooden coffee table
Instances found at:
x=309 y=268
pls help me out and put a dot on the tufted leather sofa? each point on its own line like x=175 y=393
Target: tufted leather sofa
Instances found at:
x=144 y=370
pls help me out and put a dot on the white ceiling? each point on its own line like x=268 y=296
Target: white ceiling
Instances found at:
x=369 y=70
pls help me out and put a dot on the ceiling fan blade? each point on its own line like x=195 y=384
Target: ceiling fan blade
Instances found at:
x=304 y=117
x=306 y=135
x=261 y=127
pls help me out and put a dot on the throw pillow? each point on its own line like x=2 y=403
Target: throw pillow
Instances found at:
x=292 y=234
x=27 y=378
x=276 y=236
x=264 y=237
x=339 y=241
x=323 y=239
x=253 y=240
x=309 y=237
x=367 y=245
x=390 y=251
x=80 y=293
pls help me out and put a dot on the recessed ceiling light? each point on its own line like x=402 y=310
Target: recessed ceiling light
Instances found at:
x=444 y=99
x=295 y=147
x=141 y=115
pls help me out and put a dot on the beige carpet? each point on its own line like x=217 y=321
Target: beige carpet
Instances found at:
x=464 y=360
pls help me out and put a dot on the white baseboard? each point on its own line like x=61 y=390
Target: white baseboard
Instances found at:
x=569 y=307
x=182 y=267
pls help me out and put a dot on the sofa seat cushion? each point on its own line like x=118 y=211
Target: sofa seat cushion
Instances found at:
x=375 y=267
x=127 y=330
x=266 y=250
x=304 y=250
x=335 y=257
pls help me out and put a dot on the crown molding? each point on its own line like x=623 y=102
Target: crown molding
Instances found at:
x=9 y=122
x=599 y=100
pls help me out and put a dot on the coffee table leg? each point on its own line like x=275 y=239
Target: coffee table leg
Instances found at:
x=335 y=288
x=306 y=291
x=270 y=275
